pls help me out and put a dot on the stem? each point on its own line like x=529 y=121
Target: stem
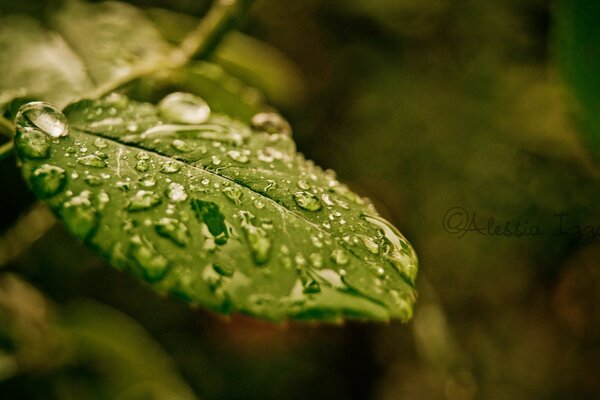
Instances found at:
x=7 y=128
x=6 y=150
x=198 y=42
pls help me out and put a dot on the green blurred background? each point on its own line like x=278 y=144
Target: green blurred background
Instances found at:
x=423 y=107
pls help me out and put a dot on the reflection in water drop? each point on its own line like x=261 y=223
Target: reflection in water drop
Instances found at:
x=272 y=123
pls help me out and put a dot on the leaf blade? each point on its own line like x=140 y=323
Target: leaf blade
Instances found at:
x=225 y=216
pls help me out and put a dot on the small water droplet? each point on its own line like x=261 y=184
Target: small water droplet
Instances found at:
x=215 y=160
x=223 y=270
x=93 y=180
x=153 y=265
x=302 y=184
x=184 y=108
x=272 y=123
x=48 y=180
x=234 y=194
x=258 y=238
x=239 y=156
x=176 y=192
x=143 y=200
x=147 y=181
x=92 y=160
x=172 y=229
x=80 y=216
x=339 y=256
x=45 y=117
x=100 y=143
x=170 y=167
x=316 y=260
x=259 y=204
x=180 y=145
x=142 y=165
x=307 y=201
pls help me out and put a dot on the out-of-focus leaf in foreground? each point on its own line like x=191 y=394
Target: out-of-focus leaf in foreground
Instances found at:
x=86 y=46
x=215 y=211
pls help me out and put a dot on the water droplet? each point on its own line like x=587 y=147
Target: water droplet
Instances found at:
x=180 y=145
x=302 y=184
x=143 y=200
x=147 y=181
x=184 y=108
x=32 y=143
x=176 y=192
x=80 y=216
x=103 y=200
x=172 y=229
x=93 y=180
x=210 y=214
x=170 y=167
x=307 y=201
x=48 y=180
x=234 y=194
x=316 y=260
x=142 y=165
x=339 y=256
x=100 y=143
x=215 y=160
x=259 y=204
x=92 y=160
x=153 y=265
x=258 y=238
x=142 y=155
x=310 y=286
x=272 y=123
x=223 y=270
x=239 y=156
x=45 y=117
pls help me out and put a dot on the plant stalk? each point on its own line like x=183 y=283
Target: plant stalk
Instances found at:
x=198 y=43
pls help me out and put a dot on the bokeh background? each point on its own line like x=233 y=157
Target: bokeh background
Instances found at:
x=422 y=106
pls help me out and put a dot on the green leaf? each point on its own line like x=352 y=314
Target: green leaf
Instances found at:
x=577 y=36
x=215 y=212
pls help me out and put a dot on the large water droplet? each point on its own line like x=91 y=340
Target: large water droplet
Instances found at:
x=143 y=200
x=80 y=216
x=210 y=214
x=45 y=117
x=260 y=244
x=48 y=180
x=272 y=123
x=152 y=264
x=172 y=229
x=93 y=160
x=184 y=108
x=307 y=201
